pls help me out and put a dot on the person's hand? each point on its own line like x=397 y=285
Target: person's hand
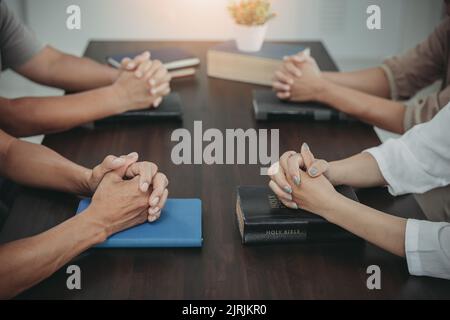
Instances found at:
x=299 y=79
x=110 y=163
x=128 y=167
x=143 y=86
x=287 y=172
x=118 y=204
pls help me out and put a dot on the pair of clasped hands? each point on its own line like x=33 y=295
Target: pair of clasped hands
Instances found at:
x=127 y=192
x=301 y=181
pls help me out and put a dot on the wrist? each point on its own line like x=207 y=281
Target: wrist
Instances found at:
x=333 y=204
x=332 y=175
x=96 y=230
x=324 y=90
x=118 y=97
x=92 y=230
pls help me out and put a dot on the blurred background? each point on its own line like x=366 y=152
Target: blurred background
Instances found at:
x=341 y=24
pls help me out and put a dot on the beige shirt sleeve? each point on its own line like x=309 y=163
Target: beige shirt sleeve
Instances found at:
x=416 y=69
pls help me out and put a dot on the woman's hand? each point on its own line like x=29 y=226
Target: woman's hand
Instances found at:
x=290 y=173
x=299 y=79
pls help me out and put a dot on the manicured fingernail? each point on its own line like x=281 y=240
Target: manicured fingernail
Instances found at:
x=154 y=91
x=131 y=65
x=297 y=180
x=288 y=189
x=132 y=154
x=313 y=171
x=153 y=211
x=305 y=146
x=118 y=161
x=154 y=202
x=151 y=217
x=144 y=187
x=288 y=197
x=294 y=206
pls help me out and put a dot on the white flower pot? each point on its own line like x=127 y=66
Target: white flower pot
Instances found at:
x=250 y=38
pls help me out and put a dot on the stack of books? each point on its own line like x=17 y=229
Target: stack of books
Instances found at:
x=178 y=62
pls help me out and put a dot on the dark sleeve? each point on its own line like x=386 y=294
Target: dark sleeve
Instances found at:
x=17 y=43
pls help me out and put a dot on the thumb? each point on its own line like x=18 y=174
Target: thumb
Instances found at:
x=318 y=168
x=127 y=161
x=109 y=163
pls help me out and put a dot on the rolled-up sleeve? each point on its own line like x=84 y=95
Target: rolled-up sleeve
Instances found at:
x=419 y=67
x=427 y=247
x=418 y=161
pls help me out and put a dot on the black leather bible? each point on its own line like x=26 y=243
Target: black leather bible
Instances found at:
x=263 y=219
x=267 y=106
x=169 y=109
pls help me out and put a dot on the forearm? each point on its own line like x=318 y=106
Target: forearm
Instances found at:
x=348 y=172
x=38 y=166
x=42 y=115
x=372 y=81
x=54 y=68
x=76 y=74
x=381 y=229
x=26 y=262
x=377 y=111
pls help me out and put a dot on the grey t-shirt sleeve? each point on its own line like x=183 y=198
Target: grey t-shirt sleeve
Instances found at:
x=17 y=43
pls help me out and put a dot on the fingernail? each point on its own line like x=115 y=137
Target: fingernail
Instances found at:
x=305 y=146
x=138 y=74
x=131 y=65
x=153 y=211
x=297 y=180
x=288 y=189
x=144 y=187
x=118 y=161
x=313 y=171
x=154 y=202
x=154 y=91
x=151 y=217
x=152 y=82
x=294 y=206
x=288 y=197
x=132 y=155
x=291 y=81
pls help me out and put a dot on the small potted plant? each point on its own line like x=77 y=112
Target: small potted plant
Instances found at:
x=251 y=17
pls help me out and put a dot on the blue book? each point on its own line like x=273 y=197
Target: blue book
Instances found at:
x=180 y=225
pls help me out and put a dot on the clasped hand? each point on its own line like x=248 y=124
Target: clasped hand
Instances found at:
x=298 y=79
x=301 y=181
x=125 y=192
x=142 y=82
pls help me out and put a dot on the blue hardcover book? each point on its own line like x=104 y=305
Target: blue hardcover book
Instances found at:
x=180 y=225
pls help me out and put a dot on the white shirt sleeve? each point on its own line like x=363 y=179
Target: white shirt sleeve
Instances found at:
x=427 y=247
x=415 y=163
x=419 y=160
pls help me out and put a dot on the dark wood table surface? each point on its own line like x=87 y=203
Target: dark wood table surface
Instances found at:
x=223 y=268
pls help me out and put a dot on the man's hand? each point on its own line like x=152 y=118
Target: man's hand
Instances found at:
x=299 y=79
x=151 y=82
x=127 y=167
x=118 y=204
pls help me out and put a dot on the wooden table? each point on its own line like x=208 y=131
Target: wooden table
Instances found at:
x=223 y=268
